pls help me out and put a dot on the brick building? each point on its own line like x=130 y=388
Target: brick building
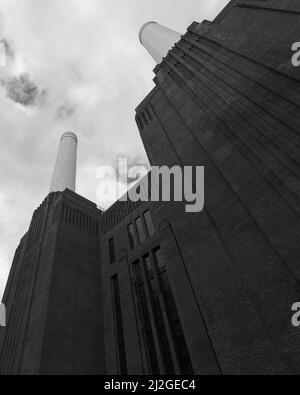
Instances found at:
x=165 y=291
x=227 y=98
x=53 y=297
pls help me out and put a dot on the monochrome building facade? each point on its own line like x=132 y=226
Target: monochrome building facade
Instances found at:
x=53 y=297
x=146 y=288
x=227 y=98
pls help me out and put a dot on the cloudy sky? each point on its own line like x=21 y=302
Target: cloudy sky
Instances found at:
x=72 y=65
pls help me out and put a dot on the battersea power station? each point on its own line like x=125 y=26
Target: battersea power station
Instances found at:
x=147 y=288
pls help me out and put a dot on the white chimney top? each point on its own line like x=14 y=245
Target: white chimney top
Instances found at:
x=158 y=40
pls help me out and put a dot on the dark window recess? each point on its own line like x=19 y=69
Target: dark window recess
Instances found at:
x=145 y=318
x=149 y=224
x=78 y=220
x=158 y=314
x=131 y=236
x=119 y=327
x=140 y=230
x=112 y=253
x=159 y=260
x=55 y=213
x=69 y=215
x=182 y=352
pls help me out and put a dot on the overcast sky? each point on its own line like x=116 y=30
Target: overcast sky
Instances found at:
x=73 y=65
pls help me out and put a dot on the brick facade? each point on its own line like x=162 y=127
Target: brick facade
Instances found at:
x=53 y=296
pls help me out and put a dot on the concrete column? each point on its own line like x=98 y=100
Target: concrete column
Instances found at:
x=64 y=176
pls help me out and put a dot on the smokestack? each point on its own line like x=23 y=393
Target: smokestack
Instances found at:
x=158 y=40
x=64 y=176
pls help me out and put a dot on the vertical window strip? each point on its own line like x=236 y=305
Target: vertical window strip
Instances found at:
x=73 y=216
x=89 y=224
x=112 y=253
x=158 y=314
x=76 y=218
x=131 y=236
x=80 y=220
x=119 y=326
x=70 y=215
x=140 y=230
x=63 y=212
x=85 y=223
x=67 y=213
x=149 y=224
x=145 y=318
x=182 y=352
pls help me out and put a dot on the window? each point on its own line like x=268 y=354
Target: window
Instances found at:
x=131 y=236
x=159 y=260
x=182 y=352
x=119 y=326
x=141 y=231
x=158 y=314
x=112 y=253
x=145 y=318
x=149 y=224
x=156 y=300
